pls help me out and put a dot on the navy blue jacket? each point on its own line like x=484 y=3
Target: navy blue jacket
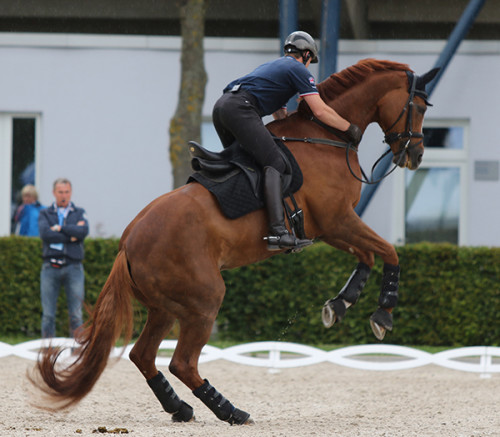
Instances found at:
x=72 y=251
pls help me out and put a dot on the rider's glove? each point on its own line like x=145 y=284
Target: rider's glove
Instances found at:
x=354 y=134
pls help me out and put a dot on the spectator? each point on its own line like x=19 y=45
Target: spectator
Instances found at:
x=63 y=227
x=26 y=216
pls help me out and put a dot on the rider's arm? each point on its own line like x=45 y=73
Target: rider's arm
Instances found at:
x=324 y=113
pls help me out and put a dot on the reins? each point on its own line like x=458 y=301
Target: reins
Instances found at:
x=389 y=138
x=326 y=141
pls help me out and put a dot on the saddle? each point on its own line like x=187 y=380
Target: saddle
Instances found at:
x=236 y=180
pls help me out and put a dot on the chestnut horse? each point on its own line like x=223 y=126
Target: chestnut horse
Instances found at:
x=171 y=255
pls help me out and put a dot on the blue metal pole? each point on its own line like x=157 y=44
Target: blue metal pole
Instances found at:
x=289 y=22
x=330 y=33
x=458 y=34
x=289 y=19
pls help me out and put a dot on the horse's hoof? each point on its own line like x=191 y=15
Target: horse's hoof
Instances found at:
x=334 y=311
x=249 y=421
x=378 y=331
x=327 y=315
x=177 y=420
x=184 y=414
x=380 y=322
x=240 y=417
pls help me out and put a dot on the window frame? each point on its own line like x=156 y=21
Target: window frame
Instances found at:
x=6 y=133
x=436 y=158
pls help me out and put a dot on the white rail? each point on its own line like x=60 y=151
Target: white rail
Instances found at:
x=280 y=355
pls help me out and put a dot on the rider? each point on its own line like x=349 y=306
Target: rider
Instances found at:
x=237 y=115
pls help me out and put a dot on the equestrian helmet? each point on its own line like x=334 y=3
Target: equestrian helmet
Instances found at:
x=300 y=41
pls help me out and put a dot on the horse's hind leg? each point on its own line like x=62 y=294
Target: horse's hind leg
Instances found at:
x=195 y=333
x=143 y=355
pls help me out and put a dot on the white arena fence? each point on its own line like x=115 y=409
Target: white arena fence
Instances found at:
x=275 y=355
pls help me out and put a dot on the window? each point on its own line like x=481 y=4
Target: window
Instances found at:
x=432 y=205
x=434 y=196
x=18 y=156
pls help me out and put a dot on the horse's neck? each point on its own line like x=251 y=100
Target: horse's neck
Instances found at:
x=360 y=103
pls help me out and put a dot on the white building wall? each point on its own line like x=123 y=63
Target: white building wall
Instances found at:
x=105 y=103
x=104 y=117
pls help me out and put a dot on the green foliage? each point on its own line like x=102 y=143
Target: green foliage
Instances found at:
x=20 y=263
x=449 y=295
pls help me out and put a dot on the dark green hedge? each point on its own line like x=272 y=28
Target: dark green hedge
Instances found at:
x=448 y=295
x=20 y=263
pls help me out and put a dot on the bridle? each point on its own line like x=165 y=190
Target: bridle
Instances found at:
x=389 y=137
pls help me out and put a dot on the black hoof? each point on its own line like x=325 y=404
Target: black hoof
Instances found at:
x=185 y=413
x=239 y=417
x=380 y=322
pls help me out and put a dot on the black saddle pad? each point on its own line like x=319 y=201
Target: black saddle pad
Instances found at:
x=236 y=179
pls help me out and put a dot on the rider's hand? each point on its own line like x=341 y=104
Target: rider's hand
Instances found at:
x=354 y=134
x=280 y=114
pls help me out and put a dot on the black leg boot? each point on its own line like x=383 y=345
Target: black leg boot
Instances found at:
x=279 y=237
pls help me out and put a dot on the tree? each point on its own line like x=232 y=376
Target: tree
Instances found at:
x=186 y=123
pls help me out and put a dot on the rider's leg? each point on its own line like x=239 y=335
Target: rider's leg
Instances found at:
x=279 y=237
x=236 y=115
x=218 y=118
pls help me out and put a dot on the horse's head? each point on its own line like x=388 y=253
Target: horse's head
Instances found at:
x=403 y=132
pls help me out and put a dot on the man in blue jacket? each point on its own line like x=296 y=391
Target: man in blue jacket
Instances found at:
x=63 y=227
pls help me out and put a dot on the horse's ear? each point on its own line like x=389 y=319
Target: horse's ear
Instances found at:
x=422 y=81
x=427 y=77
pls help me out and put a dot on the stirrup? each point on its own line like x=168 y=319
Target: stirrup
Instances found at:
x=274 y=242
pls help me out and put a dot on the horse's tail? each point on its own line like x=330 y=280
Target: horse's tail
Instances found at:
x=111 y=318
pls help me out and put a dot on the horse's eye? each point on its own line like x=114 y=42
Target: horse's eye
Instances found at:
x=420 y=108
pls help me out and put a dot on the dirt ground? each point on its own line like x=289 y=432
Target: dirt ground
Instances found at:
x=319 y=400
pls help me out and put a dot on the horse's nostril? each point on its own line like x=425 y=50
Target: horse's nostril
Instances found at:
x=419 y=159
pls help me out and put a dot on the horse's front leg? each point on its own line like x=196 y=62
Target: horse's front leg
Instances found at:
x=381 y=319
x=335 y=309
x=357 y=238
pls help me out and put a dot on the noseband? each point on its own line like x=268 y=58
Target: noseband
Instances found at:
x=391 y=137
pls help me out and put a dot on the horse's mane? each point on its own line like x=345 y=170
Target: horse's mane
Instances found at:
x=339 y=82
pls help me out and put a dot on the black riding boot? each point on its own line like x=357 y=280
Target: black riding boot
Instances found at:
x=279 y=237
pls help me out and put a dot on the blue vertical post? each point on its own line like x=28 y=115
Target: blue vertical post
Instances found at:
x=289 y=19
x=289 y=22
x=458 y=34
x=330 y=34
